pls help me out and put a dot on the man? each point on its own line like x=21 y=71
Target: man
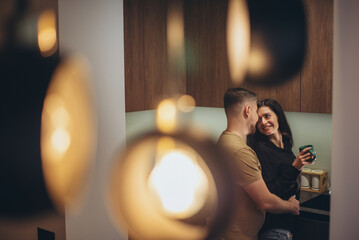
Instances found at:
x=254 y=197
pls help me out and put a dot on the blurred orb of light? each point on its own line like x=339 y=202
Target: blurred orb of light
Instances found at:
x=259 y=62
x=166 y=115
x=175 y=28
x=238 y=39
x=61 y=140
x=186 y=103
x=47 y=33
x=68 y=134
x=165 y=144
x=170 y=186
x=175 y=35
x=180 y=184
x=278 y=41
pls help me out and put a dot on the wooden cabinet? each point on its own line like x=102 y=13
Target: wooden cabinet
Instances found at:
x=317 y=72
x=287 y=94
x=207 y=64
x=146 y=73
x=133 y=46
x=207 y=74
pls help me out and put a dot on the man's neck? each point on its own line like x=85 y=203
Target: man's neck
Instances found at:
x=237 y=132
x=238 y=126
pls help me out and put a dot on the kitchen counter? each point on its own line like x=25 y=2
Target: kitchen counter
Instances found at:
x=305 y=196
x=313 y=221
x=315 y=202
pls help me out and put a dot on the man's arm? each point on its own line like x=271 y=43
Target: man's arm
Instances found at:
x=265 y=200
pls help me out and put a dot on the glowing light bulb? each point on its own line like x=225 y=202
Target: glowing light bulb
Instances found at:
x=47 y=34
x=166 y=116
x=60 y=117
x=180 y=184
x=60 y=140
x=175 y=35
x=186 y=103
x=165 y=144
x=238 y=39
x=56 y=121
x=259 y=62
x=175 y=29
x=68 y=134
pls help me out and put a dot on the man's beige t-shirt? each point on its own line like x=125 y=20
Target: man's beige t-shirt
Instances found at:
x=248 y=218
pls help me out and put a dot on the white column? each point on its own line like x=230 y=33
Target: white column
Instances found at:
x=345 y=158
x=95 y=28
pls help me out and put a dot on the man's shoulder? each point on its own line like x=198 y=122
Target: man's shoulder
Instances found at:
x=229 y=137
x=235 y=145
x=230 y=142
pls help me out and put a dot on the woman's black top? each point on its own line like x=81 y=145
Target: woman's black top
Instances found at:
x=280 y=177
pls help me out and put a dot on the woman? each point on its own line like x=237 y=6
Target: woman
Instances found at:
x=273 y=143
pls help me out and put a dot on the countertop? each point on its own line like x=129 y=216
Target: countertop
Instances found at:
x=313 y=220
x=318 y=203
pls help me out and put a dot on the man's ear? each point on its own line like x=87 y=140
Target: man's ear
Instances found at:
x=246 y=110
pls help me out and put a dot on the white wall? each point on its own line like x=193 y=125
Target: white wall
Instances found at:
x=316 y=129
x=95 y=28
x=345 y=165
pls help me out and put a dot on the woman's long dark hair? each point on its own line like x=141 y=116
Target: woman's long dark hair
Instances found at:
x=282 y=121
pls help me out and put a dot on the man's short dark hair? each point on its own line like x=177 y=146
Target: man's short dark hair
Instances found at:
x=237 y=95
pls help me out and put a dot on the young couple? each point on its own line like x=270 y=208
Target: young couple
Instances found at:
x=267 y=172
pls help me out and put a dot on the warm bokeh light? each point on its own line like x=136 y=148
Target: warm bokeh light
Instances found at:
x=60 y=140
x=166 y=116
x=175 y=32
x=68 y=133
x=180 y=184
x=164 y=145
x=259 y=62
x=159 y=183
x=238 y=39
x=60 y=117
x=47 y=33
x=186 y=103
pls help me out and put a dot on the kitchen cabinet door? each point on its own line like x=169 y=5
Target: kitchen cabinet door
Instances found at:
x=147 y=78
x=287 y=94
x=133 y=49
x=154 y=52
x=208 y=71
x=317 y=72
x=207 y=64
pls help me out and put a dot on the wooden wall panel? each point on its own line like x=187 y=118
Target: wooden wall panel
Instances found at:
x=207 y=71
x=148 y=78
x=317 y=73
x=155 y=51
x=287 y=94
x=133 y=44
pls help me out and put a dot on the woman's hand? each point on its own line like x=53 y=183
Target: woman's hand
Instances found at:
x=302 y=159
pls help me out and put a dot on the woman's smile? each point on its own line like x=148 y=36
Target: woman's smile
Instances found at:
x=267 y=121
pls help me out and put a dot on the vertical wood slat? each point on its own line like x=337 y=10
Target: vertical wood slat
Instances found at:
x=317 y=73
x=207 y=65
x=133 y=48
x=207 y=74
x=287 y=93
x=147 y=76
x=155 y=51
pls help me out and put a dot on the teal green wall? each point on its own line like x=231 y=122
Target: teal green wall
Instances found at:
x=307 y=128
